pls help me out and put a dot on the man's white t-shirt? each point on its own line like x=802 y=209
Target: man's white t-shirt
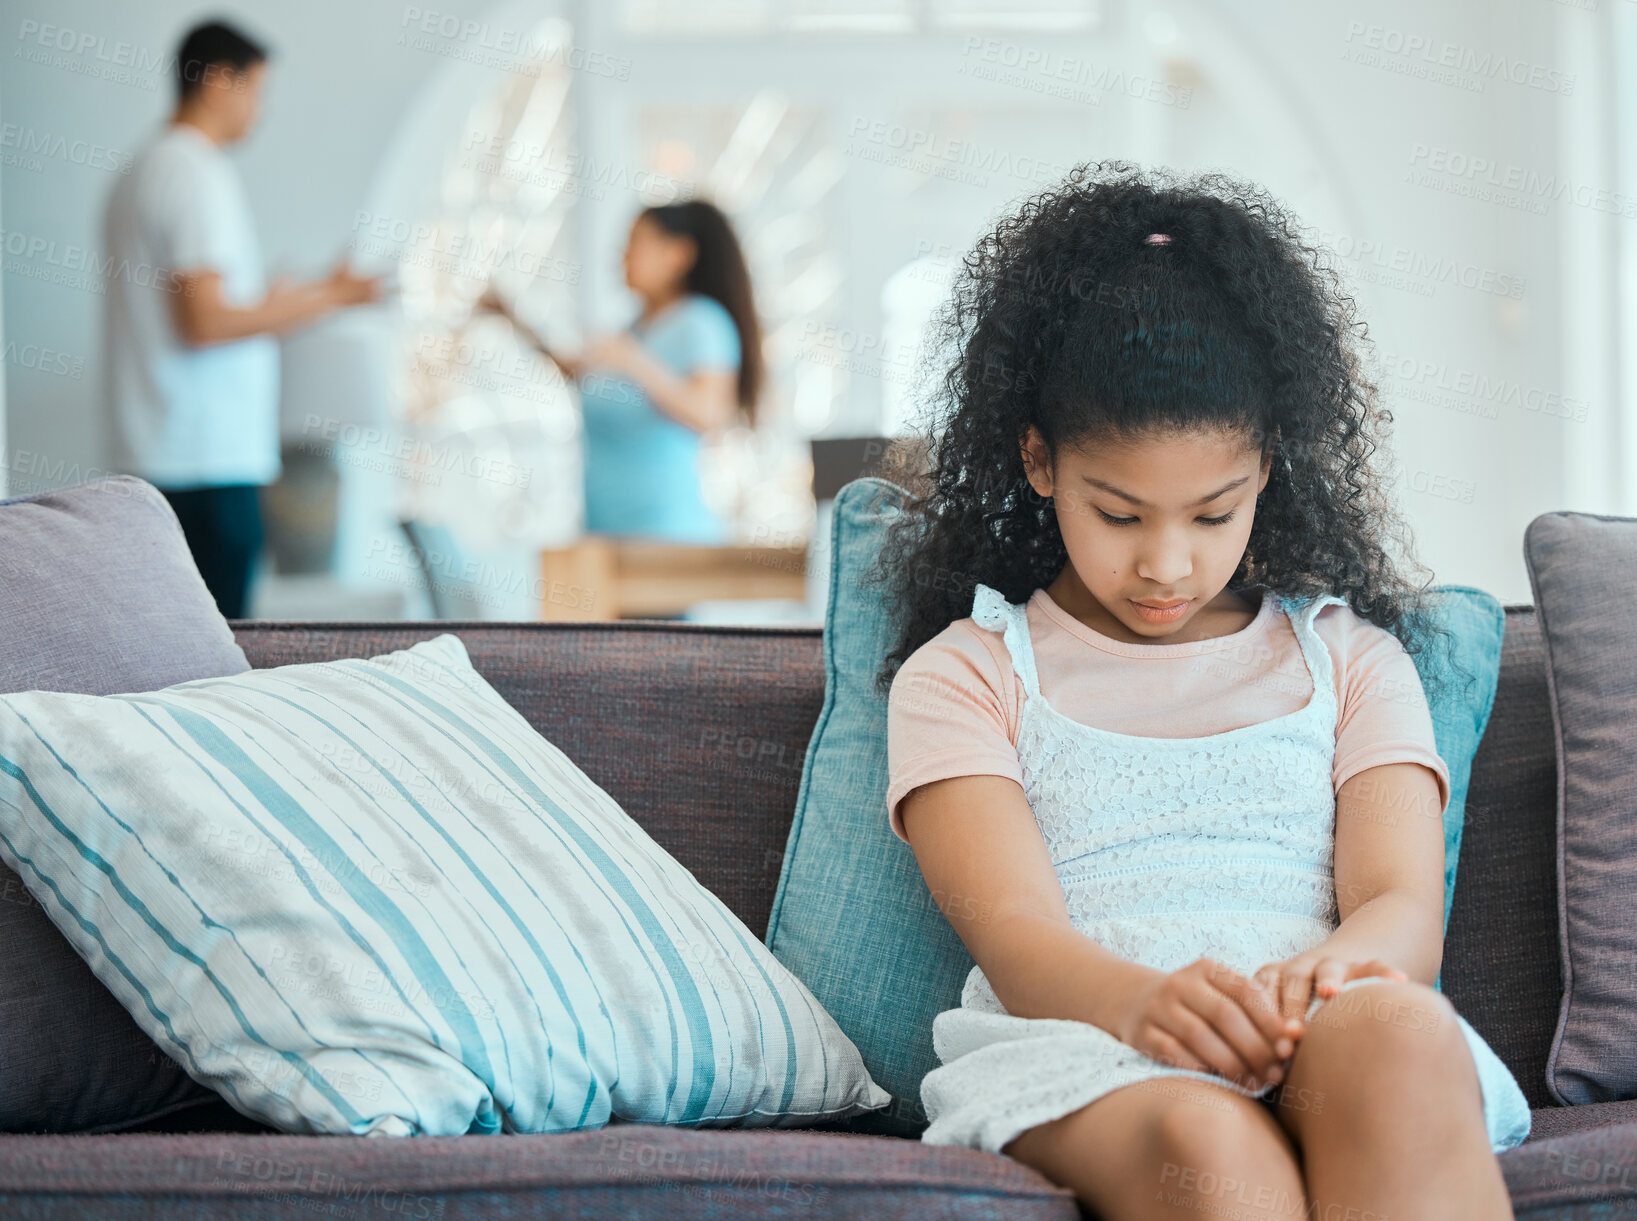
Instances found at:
x=185 y=416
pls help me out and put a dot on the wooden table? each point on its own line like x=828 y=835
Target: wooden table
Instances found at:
x=604 y=577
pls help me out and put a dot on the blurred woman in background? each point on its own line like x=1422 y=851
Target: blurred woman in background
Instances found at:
x=689 y=363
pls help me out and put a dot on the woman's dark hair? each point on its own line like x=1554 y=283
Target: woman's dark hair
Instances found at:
x=719 y=272
x=1066 y=318
x=214 y=42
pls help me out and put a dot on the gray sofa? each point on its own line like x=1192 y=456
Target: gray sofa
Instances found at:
x=651 y=711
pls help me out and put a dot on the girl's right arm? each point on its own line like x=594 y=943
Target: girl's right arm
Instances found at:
x=981 y=853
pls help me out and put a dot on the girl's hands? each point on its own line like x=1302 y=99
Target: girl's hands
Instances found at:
x=1295 y=981
x=1209 y=1018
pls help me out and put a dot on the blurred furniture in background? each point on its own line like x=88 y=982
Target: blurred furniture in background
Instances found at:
x=837 y=461
x=300 y=510
x=604 y=577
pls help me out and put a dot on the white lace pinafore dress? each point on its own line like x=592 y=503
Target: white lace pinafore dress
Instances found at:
x=1168 y=850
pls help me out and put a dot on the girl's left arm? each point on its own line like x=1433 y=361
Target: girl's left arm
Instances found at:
x=1389 y=872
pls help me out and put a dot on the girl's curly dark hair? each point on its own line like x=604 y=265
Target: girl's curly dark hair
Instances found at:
x=1063 y=317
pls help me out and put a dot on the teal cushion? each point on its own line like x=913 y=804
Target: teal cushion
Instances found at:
x=853 y=917
x=1460 y=709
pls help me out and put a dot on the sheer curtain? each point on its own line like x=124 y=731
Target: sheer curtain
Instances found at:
x=1597 y=323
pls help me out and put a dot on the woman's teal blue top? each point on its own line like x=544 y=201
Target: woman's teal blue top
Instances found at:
x=642 y=476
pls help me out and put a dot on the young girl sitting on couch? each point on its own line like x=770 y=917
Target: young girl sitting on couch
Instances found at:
x=1153 y=711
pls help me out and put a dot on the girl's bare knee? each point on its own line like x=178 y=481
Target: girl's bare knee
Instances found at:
x=1384 y=1028
x=1234 y=1155
x=1092 y=1150
x=1146 y=1148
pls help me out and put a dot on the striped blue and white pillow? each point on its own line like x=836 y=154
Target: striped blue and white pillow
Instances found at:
x=366 y=896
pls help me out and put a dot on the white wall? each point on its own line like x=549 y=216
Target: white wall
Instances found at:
x=1282 y=97
x=3 y=450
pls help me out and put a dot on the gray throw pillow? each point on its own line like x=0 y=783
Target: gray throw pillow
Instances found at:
x=1583 y=570
x=98 y=595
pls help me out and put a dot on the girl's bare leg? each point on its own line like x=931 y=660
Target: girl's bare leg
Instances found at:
x=1382 y=1098
x=1170 y=1147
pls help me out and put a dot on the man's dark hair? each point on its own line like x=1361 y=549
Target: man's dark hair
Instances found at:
x=214 y=42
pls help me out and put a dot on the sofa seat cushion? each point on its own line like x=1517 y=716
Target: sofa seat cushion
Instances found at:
x=1590 y=1173
x=623 y=1170
x=626 y=1170
x=1548 y=1123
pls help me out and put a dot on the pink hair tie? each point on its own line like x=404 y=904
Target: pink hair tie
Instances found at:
x=1157 y=239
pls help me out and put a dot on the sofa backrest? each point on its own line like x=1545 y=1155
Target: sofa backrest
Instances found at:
x=1501 y=961
x=700 y=732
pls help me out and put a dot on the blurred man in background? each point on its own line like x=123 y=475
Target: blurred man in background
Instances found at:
x=192 y=362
